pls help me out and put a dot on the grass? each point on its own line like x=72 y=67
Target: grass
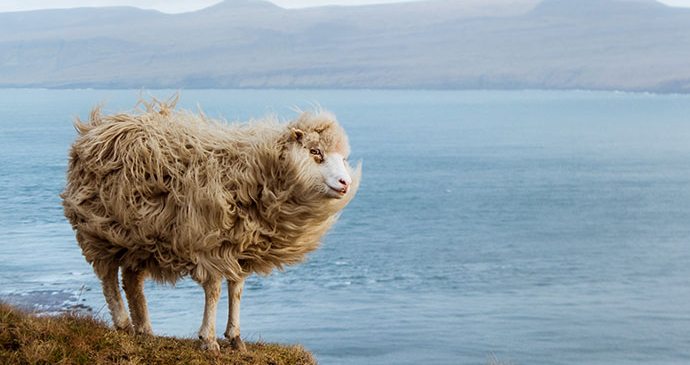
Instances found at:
x=72 y=338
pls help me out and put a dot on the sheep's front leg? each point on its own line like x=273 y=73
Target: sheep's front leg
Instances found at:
x=232 y=331
x=207 y=332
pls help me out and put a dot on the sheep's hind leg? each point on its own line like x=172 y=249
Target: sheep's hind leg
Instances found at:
x=111 y=291
x=207 y=332
x=232 y=331
x=133 y=283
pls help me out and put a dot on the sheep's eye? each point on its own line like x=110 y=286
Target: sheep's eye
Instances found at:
x=315 y=151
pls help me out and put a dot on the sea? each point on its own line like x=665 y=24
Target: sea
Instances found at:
x=521 y=227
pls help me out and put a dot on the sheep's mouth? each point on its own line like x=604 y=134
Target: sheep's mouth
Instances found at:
x=337 y=192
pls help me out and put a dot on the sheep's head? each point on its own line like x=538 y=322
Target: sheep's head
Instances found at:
x=322 y=145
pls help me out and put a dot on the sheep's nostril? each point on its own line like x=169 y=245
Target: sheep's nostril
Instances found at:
x=343 y=182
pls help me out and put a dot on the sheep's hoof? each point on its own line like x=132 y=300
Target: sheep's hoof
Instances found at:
x=126 y=327
x=236 y=343
x=210 y=346
x=147 y=331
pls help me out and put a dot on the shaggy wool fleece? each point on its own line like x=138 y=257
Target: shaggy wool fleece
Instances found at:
x=177 y=193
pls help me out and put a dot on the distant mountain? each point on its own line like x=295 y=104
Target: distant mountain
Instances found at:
x=443 y=44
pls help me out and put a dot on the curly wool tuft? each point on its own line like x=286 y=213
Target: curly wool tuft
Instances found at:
x=176 y=193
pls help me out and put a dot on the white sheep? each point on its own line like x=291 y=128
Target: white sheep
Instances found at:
x=163 y=194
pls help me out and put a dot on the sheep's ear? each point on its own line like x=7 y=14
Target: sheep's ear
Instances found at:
x=297 y=134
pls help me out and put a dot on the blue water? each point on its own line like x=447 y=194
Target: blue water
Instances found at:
x=540 y=226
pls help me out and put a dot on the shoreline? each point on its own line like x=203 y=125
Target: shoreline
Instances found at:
x=47 y=302
x=335 y=88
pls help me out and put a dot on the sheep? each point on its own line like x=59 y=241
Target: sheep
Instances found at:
x=166 y=193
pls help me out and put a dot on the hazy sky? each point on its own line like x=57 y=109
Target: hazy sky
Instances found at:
x=168 y=6
x=178 y=6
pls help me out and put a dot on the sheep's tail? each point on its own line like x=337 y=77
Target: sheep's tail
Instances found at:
x=96 y=118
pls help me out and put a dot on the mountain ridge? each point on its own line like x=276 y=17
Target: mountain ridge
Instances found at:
x=635 y=45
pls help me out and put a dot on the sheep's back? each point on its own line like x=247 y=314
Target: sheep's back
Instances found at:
x=142 y=191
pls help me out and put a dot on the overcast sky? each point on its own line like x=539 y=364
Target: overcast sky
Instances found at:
x=167 y=6
x=178 y=6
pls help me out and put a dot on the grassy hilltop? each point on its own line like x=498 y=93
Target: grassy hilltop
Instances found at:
x=81 y=339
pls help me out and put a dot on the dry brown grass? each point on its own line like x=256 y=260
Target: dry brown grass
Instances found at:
x=81 y=339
